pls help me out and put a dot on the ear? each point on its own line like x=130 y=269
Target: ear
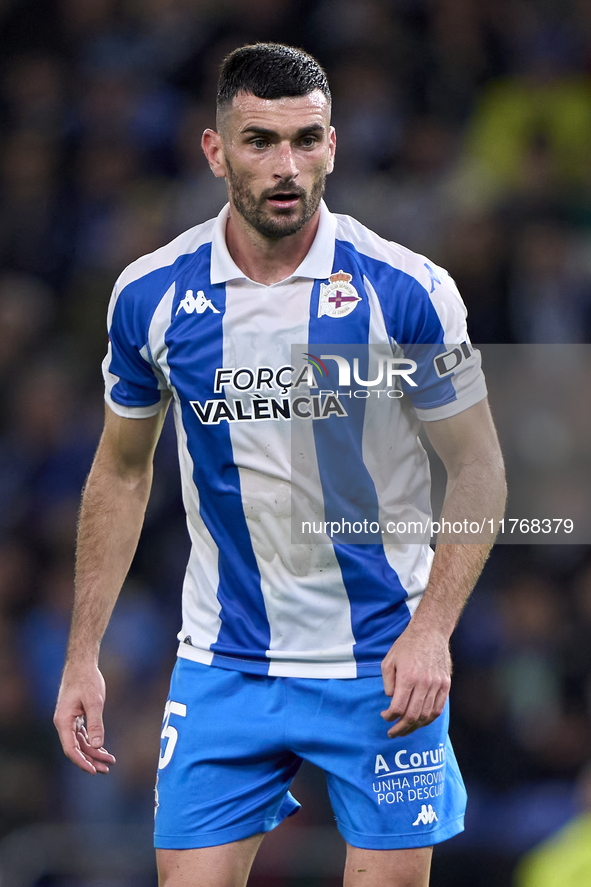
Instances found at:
x=213 y=148
x=332 y=146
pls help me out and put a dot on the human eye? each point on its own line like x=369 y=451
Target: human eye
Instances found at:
x=308 y=141
x=259 y=143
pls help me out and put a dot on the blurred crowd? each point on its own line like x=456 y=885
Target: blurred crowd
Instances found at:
x=463 y=132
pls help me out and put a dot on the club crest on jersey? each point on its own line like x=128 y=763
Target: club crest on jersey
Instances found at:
x=339 y=297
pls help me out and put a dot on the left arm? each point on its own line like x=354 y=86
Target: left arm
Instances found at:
x=417 y=669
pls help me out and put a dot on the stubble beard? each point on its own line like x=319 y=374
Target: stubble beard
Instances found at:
x=256 y=210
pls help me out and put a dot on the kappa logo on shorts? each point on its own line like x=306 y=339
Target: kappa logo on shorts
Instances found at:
x=426 y=816
x=339 y=297
x=197 y=303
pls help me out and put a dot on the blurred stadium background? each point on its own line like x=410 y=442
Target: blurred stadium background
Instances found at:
x=464 y=131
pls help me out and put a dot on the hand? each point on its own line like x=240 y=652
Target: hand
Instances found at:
x=79 y=718
x=417 y=675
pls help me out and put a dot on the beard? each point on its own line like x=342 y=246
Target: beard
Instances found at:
x=285 y=221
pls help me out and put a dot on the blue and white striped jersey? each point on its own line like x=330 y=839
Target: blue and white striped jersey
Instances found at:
x=186 y=324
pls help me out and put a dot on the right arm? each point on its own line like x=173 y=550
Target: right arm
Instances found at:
x=111 y=516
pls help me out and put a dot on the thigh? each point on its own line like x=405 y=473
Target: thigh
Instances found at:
x=224 y=771
x=387 y=868
x=225 y=866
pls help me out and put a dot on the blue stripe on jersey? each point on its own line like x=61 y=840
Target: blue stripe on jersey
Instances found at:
x=348 y=489
x=195 y=345
x=412 y=321
x=376 y=596
x=378 y=602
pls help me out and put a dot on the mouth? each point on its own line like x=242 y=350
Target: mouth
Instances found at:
x=285 y=200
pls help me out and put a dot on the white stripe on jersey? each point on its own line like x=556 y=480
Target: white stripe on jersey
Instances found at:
x=303 y=609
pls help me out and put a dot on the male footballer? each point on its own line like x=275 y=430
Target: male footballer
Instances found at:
x=261 y=326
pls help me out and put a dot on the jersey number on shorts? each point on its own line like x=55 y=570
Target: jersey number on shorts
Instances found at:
x=170 y=733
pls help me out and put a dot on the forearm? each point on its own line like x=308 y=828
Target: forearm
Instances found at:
x=111 y=517
x=417 y=668
x=476 y=495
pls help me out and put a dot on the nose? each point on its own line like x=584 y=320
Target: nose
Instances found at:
x=286 y=167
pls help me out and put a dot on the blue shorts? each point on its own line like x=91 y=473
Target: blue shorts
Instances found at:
x=232 y=742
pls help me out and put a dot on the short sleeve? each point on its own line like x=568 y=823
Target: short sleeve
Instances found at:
x=427 y=324
x=133 y=388
x=452 y=379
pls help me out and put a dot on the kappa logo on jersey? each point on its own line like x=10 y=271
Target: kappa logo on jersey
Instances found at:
x=197 y=303
x=432 y=276
x=426 y=816
x=339 y=297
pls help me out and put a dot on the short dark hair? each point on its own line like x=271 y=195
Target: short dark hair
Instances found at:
x=270 y=71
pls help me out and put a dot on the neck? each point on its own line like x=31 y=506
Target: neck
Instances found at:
x=263 y=260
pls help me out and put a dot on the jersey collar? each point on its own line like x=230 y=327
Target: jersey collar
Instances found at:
x=316 y=265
